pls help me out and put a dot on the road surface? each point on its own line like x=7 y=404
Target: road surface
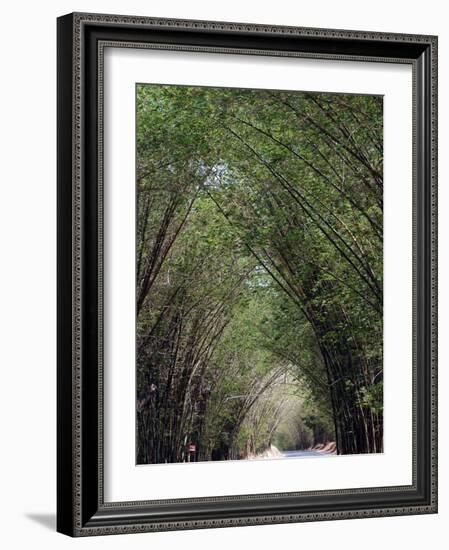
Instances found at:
x=303 y=454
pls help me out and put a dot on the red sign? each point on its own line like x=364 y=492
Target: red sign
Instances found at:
x=192 y=447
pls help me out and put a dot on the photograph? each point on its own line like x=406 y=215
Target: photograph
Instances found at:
x=259 y=274
x=247 y=273
x=223 y=290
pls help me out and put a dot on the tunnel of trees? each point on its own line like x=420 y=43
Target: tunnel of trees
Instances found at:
x=258 y=272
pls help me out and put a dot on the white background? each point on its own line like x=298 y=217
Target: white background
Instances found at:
x=27 y=301
x=123 y=481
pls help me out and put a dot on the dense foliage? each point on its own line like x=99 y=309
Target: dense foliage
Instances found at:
x=259 y=272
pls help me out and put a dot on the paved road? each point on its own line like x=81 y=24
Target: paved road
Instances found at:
x=303 y=454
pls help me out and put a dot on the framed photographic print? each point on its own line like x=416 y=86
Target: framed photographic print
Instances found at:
x=246 y=274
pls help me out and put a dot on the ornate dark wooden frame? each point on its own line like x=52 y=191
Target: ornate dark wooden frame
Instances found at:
x=81 y=510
